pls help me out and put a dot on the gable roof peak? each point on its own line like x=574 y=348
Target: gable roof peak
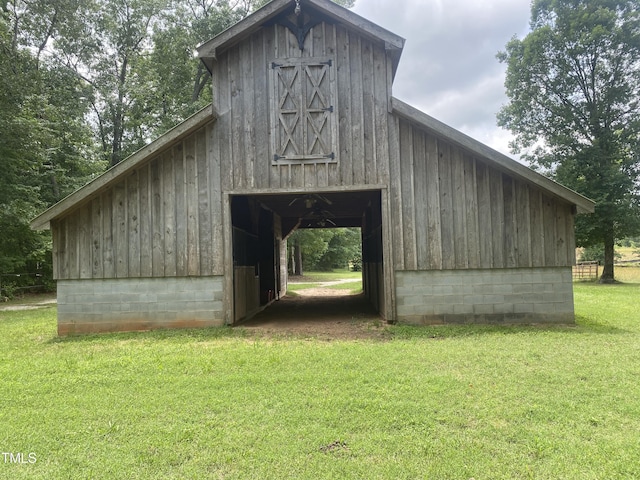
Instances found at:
x=324 y=10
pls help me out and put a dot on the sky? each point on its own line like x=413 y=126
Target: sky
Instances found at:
x=448 y=67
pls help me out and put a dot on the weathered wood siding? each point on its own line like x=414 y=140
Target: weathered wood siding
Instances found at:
x=242 y=104
x=163 y=220
x=455 y=212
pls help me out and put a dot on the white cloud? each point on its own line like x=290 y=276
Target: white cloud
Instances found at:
x=448 y=68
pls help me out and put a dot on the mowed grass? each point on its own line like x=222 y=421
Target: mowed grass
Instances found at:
x=482 y=402
x=338 y=274
x=351 y=281
x=355 y=287
x=627 y=274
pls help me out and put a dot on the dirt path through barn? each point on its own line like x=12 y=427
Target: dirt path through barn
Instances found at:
x=320 y=312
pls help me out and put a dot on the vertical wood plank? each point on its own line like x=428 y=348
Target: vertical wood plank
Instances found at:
x=97 y=236
x=296 y=178
x=471 y=207
x=275 y=171
x=496 y=229
x=237 y=117
x=536 y=207
x=293 y=50
x=322 y=172
x=169 y=209
x=344 y=114
x=121 y=255
x=571 y=237
x=380 y=116
x=446 y=205
x=357 y=109
x=192 y=213
x=550 y=234
x=395 y=193
x=484 y=215
x=228 y=292
x=523 y=219
x=261 y=120
x=388 y=267
x=213 y=149
x=248 y=119
x=459 y=202
x=510 y=223
x=72 y=247
x=368 y=118
x=224 y=123
x=205 y=233
x=316 y=45
x=331 y=48
x=408 y=195
x=146 y=238
x=420 y=189
x=157 y=218
x=133 y=225
x=55 y=248
x=434 y=229
x=108 y=229
x=63 y=248
x=561 y=236
x=310 y=176
x=84 y=242
x=180 y=210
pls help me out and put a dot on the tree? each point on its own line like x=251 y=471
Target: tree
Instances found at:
x=574 y=90
x=343 y=247
x=173 y=83
x=45 y=146
x=323 y=248
x=105 y=45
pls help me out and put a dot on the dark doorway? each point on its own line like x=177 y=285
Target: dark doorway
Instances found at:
x=263 y=222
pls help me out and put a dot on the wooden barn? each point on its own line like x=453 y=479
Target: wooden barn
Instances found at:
x=192 y=230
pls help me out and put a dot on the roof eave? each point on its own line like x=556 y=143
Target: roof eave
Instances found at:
x=505 y=163
x=117 y=172
x=239 y=30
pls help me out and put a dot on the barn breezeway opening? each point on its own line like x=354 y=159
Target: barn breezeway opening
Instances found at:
x=263 y=225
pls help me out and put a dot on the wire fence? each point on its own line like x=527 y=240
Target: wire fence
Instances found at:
x=12 y=283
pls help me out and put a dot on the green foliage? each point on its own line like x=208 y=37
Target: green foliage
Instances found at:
x=574 y=90
x=595 y=253
x=327 y=248
x=174 y=84
x=343 y=247
x=45 y=145
x=85 y=84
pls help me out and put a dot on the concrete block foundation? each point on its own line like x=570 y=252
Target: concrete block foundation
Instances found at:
x=131 y=304
x=519 y=295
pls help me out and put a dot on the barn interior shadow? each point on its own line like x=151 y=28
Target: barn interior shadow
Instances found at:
x=295 y=312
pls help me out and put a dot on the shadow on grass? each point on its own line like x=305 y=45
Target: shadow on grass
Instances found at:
x=584 y=325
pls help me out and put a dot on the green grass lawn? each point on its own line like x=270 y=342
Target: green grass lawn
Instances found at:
x=316 y=279
x=354 y=287
x=294 y=287
x=311 y=277
x=482 y=402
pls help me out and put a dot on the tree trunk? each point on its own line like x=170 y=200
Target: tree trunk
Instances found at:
x=291 y=264
x=607 y=272
x=55 y=189
x=199 y=83
x=297 y=252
